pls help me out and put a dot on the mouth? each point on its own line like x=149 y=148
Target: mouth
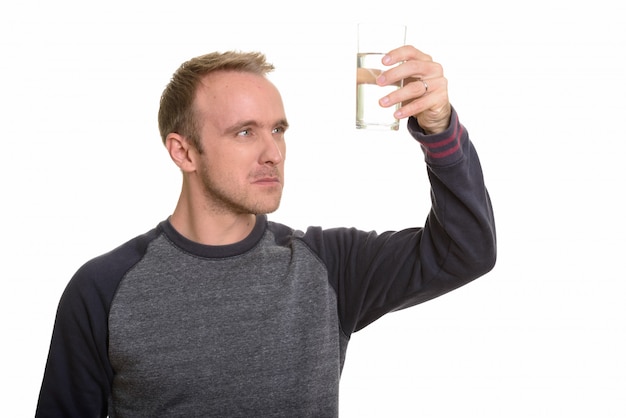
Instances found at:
x=267 y=181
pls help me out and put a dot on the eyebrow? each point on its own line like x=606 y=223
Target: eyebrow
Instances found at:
x=237 y=126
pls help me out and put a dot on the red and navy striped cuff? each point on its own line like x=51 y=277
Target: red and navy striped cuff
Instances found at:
x=443 y=148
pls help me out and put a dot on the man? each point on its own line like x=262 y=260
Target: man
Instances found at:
x=220 y=312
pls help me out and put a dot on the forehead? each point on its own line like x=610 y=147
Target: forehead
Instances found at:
x=225 y=96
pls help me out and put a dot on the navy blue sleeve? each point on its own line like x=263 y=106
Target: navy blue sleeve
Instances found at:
x=78 y=376
x=376 y=273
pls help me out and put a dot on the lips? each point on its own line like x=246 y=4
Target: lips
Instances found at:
x=266 y=176
x=267 y=180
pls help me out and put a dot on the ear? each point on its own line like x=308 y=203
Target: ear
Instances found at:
x=181 y=152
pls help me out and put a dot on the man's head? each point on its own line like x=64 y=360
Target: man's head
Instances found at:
x=177 y=113
x=223 y=123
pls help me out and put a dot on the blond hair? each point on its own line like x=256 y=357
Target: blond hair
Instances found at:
x=176 y=113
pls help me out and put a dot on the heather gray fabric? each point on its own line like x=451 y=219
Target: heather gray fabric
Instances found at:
x=184 y=329
x=165 y=327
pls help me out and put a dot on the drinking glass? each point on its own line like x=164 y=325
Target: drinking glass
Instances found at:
x=374 y=41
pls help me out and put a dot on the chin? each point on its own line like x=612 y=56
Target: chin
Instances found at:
x=265 y=209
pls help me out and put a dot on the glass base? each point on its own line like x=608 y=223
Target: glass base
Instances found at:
x=378 y=127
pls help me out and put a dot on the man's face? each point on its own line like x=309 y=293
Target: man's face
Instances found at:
x=241 y=124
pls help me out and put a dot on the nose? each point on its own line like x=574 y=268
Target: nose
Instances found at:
x=273 y=150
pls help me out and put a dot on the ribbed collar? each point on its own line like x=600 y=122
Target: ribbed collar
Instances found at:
x=216 y=251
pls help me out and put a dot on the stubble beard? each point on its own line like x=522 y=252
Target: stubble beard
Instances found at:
x=220 y=200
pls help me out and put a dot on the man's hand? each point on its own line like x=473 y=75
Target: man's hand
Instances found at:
x=425 y=90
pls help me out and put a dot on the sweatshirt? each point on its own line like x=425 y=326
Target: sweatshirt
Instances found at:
x=164 y=326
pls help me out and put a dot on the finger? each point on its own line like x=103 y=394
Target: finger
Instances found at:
x=432 y=112
x=411 y=70
x=367 y=75
x=431 y=101
x=415 y=89
x=405 y=53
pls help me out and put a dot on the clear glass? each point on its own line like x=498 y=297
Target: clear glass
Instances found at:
x=374 y=41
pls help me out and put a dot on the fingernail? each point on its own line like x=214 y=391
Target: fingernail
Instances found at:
x=384 y=101
x=398 y=114
x=381 y=79
x=386 y=59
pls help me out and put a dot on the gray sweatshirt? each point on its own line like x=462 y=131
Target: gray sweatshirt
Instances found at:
x=163 y=326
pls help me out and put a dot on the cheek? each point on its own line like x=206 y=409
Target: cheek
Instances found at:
x=233 y=167
x=218 y=166
x=225 y=160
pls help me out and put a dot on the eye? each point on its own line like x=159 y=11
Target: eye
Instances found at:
x=244 y=132
x=279 y=130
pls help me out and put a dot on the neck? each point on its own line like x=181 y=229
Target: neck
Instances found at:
x=201 y=225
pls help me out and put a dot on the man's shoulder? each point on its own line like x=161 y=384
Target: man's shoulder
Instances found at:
x=107 y=269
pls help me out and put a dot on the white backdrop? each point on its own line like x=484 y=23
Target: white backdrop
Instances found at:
x=538 y=84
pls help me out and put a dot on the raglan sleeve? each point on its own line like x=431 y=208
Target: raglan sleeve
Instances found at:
x=375 y=273
x=77 y=377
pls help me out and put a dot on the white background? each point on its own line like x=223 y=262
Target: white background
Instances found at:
x=539 y=85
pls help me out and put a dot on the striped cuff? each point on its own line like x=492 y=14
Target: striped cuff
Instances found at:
x=443 y=148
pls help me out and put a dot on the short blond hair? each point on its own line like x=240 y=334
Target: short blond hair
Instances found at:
x=176 y=113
